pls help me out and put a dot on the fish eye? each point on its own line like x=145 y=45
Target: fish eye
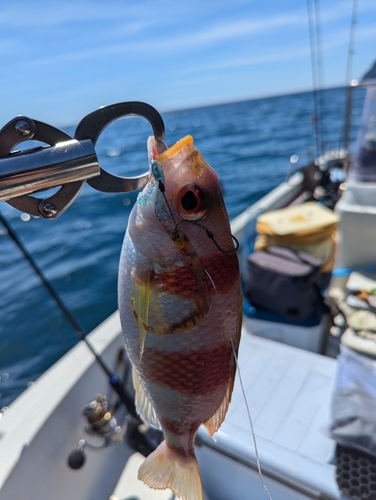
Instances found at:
x=192 y=202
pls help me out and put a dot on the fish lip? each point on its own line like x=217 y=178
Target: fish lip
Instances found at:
x=155 y=148
x=174 y=149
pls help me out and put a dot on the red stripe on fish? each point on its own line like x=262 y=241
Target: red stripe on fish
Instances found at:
x=179 y=428
x=181 y=451
x=193 y=372
x=180 y=280
x=180 y=436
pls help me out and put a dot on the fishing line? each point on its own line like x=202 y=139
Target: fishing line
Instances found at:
x=158 y=175
x=211 y=236
x=243 y=393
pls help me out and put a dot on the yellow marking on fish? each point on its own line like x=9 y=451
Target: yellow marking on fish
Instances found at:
x=141 y=291
x=191 y=321
x=202 y=303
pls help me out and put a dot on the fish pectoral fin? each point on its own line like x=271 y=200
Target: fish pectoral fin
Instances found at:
x=164 y=469
x=143 y=405
x=215 y=422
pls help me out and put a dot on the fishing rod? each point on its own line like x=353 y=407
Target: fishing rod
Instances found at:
x=113 y=378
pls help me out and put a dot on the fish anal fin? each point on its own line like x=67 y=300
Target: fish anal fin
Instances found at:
x=164 y=469
x=215 y=422
x=143 y=405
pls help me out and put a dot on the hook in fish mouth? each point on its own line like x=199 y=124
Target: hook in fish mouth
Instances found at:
x=163 y=215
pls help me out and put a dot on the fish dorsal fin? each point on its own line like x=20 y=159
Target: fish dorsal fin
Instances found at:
x=215 y=422
x=143 y=405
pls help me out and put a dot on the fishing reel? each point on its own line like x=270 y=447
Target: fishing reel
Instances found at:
x=102 y=423
x=67 y=161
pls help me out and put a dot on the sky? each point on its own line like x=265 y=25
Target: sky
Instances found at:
x=60 y=60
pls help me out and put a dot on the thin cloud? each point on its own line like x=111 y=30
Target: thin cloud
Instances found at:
x=17 y=14
x=173 y=43
x=252 y=61
x=142 y=39
x=333 y=40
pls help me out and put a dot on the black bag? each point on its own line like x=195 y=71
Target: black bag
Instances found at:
x=284 y=282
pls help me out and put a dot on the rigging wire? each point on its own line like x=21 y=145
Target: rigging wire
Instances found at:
x=350 y=51
x=314 y=77
x=343 y=139
x=320 y=74
x=113 y=379
x=317 y=73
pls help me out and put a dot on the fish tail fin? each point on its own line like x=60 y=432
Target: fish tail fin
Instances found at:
x=164 y=469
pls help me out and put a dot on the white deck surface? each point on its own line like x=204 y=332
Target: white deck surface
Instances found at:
x=29 y=412
x=129 y=486
x=289 y=394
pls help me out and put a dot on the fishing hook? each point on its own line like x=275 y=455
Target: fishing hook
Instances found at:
x=158 y=175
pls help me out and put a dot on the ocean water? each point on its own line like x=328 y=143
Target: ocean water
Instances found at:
x=249 y=145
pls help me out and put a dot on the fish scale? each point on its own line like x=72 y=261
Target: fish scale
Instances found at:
x=180 y=280
x=186 y=371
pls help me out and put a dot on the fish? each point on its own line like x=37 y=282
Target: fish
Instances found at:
x=180 y=306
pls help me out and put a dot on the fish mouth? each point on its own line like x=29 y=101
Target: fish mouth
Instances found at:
x=173 y=150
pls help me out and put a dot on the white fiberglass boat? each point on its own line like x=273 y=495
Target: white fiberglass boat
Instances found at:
x=61 y=440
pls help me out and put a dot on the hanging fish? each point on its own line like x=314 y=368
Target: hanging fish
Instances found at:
x=180 y=307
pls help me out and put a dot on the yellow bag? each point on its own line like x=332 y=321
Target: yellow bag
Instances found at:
x=309 y=227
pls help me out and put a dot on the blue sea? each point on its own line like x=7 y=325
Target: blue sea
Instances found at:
x=248 y=143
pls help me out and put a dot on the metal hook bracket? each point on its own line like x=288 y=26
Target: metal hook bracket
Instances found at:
x=67 y=162
x=92 y=126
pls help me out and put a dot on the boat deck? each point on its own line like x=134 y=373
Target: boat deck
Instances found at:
x=129 y=486
x=289 y=395
x=288 y=392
